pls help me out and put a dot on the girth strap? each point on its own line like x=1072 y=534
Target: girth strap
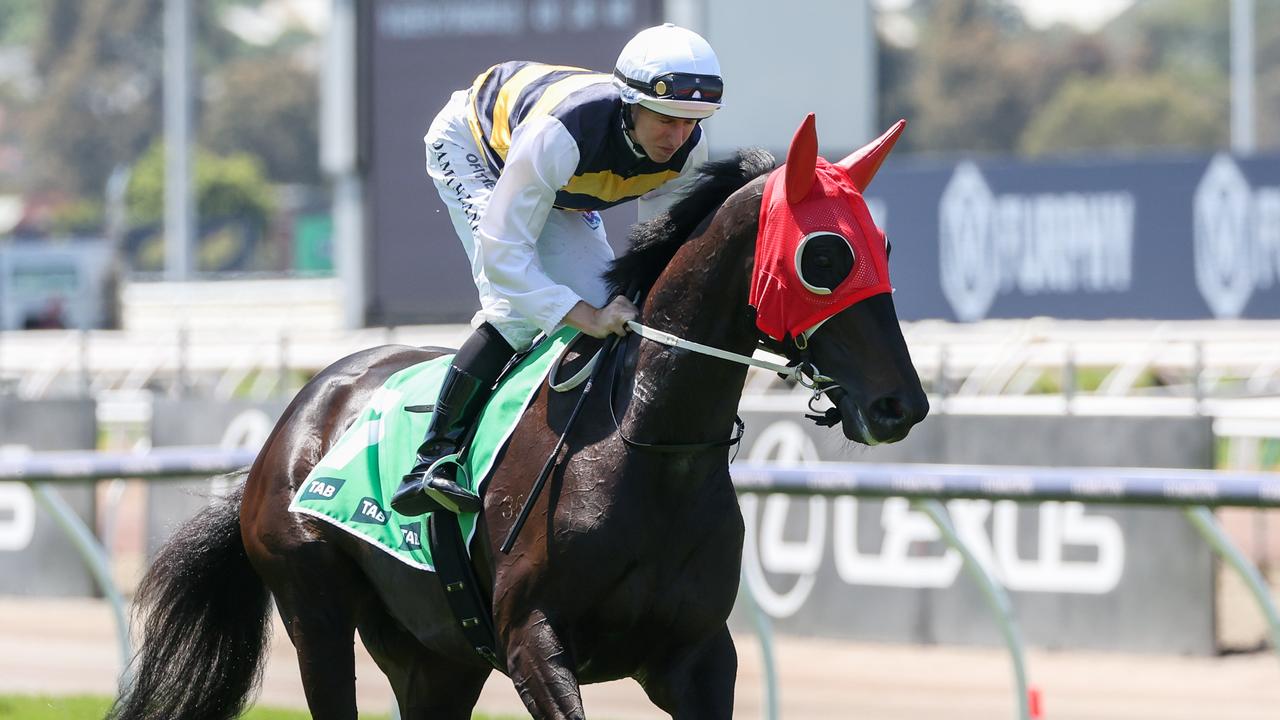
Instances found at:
x=461 y=587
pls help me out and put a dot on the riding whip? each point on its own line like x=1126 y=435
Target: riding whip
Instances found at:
x=510 y=541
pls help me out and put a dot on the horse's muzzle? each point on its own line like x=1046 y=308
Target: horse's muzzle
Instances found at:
x=886 y=419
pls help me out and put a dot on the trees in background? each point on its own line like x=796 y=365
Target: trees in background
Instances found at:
x=225 y=186
x=235 y=200
x=969 y=85
x=97 y=64
x=976 y=77
x=100 y=65
x=1124 y=112
x=268 y=109
x=95 y=105
x=1267 y=46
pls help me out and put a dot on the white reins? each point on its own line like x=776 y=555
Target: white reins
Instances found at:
x=793 y=373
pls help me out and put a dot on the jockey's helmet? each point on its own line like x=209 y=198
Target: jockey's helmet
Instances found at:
x=670 y=70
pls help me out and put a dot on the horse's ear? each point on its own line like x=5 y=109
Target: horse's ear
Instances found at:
x=863 y=163
x=802 y=161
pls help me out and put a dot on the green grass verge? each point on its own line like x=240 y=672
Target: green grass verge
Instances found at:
x=93 y=707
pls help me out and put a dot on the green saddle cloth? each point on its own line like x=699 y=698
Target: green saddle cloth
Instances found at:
x=352 y=485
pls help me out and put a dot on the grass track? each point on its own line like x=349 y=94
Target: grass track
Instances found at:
x=93 y=707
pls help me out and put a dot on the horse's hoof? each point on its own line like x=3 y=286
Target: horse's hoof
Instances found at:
x=410 y=500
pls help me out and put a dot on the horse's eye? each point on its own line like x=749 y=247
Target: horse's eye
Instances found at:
x=823 y=261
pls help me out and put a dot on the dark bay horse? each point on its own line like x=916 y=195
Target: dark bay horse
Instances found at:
x=629 y=564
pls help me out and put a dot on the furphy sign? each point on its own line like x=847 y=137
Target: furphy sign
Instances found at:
x=1036 y=243
x=1158 y=237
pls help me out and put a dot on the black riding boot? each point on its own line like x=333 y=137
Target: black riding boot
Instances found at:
x=467 y=385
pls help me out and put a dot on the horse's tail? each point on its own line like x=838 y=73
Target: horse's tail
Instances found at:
x=207 y=624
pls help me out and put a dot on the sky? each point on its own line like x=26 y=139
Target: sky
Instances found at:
x=1085 y=14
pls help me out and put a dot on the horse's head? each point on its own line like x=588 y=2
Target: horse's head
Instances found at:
x=821 y=287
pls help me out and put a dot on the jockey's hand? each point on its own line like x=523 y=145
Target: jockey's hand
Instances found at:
x=608 y=320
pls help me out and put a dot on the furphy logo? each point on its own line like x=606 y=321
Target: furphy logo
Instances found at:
x=369 y=511
x=1049 y=243
x=1237 y=237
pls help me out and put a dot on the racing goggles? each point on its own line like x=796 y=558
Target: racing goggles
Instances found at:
x=679 y=86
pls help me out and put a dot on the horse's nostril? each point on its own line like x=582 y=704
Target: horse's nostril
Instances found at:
x=888 y=410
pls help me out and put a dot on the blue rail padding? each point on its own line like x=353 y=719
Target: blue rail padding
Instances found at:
x=1126 y=486
x=88 y=465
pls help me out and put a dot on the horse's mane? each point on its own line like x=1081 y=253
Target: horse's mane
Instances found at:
x=655 y=242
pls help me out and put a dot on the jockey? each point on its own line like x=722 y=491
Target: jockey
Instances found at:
x=523 y=160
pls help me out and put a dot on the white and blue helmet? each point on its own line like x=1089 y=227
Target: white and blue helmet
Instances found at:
x=670 y=70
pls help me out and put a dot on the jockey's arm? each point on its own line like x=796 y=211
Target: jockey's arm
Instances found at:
x=541 y=160
x=657 y=201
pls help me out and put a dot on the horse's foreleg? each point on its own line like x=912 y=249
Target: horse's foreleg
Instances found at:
x=542 y=670
x=696 y=682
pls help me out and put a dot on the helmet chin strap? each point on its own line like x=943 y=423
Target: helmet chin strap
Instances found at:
x=629 y=126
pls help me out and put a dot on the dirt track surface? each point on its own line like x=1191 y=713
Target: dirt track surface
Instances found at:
x=69 y=646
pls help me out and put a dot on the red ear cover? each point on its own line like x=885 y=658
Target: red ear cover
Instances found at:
x=862 y=164
x=802 y=161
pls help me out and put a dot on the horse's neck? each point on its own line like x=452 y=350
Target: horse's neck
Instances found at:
x=679 y=396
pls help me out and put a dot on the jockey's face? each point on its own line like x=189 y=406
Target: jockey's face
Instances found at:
x=660 y=135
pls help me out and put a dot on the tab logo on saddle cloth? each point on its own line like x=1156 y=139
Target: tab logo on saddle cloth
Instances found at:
x=369 y=511
x=322 y=488
x=412 y=534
